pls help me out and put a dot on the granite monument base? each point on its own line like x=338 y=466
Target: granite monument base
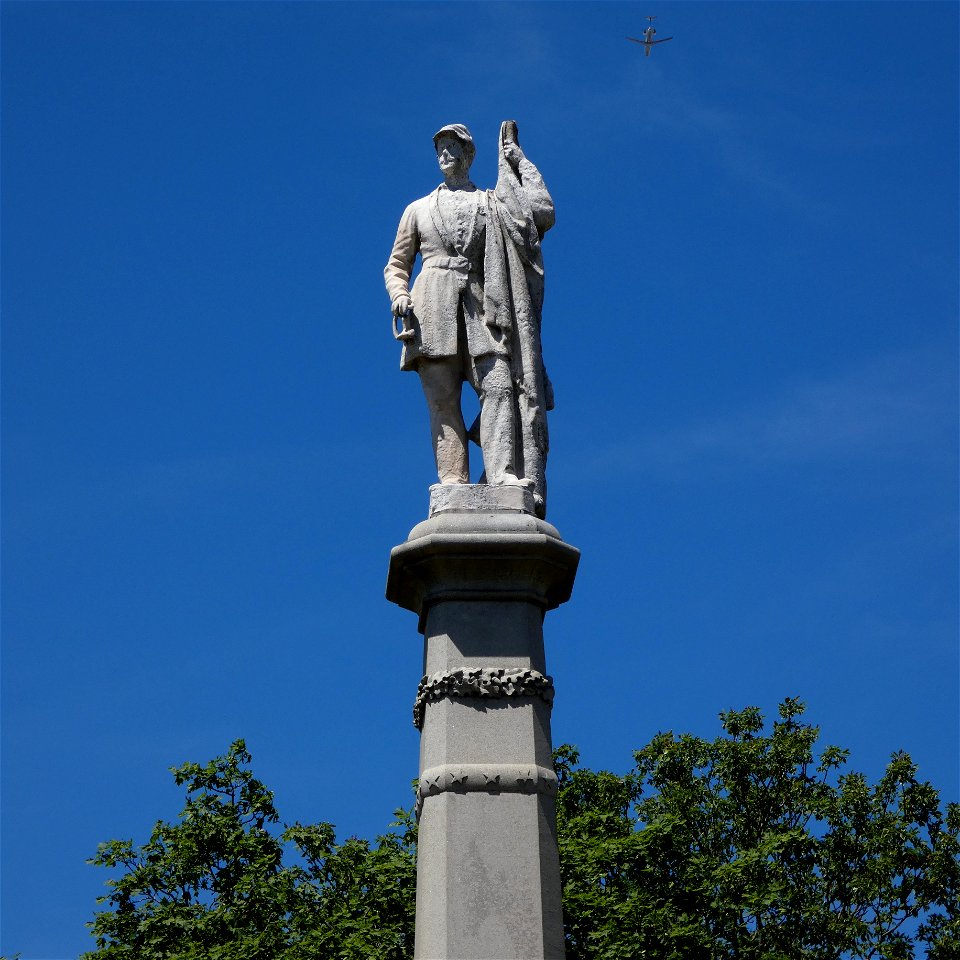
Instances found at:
x=480 y=573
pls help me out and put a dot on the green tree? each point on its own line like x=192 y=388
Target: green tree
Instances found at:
x=748 y=846
x=215 y=886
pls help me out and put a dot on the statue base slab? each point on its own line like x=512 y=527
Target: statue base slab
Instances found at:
x=474 y=497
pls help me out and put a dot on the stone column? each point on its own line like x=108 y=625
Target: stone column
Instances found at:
x=481 y=572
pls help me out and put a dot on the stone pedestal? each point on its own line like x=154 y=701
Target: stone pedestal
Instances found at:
x=481 y=572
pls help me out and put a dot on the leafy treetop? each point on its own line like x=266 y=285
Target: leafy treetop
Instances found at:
x=750 y=846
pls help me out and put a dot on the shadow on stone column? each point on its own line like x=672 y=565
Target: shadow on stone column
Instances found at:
x=480 y=573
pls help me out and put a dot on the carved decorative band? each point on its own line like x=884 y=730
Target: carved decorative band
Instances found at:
x=484 y=682
x=485 y=778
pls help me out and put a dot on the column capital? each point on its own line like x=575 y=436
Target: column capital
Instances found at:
x=485 y=546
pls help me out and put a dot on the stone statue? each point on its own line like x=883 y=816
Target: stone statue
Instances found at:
x=474 y=311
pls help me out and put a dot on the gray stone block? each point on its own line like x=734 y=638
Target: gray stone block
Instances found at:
x=480 y=573
x=488 y=878
x=490 y=555
x=479 y=498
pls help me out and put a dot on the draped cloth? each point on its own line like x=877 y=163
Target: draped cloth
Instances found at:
x=513 y=304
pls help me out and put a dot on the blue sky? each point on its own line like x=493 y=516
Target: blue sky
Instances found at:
x=209 y=449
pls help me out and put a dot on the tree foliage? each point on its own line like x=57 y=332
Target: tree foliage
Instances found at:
x=215 y=885
x=748 y=846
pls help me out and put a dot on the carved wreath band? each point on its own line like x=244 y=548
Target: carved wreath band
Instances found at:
x=483 y=682
x=485 y=778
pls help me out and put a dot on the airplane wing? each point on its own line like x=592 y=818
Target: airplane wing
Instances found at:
x=635 y=40
x=664 y=40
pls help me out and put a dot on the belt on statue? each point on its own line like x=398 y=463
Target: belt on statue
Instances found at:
x=449 y=263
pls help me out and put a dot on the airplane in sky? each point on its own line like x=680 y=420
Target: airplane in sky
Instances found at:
x=647 y=42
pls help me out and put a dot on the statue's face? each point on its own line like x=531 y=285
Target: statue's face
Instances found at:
x=452 y=156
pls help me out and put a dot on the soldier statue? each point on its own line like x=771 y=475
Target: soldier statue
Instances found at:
x=475 y=308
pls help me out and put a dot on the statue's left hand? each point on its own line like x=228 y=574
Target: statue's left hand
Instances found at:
x=513 y=153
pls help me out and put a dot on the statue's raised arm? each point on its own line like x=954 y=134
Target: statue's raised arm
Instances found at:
x=474 y=311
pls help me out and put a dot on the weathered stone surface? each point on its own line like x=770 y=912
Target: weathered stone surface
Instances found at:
x=480 y=574
x=488 y=878
x=479 y=497
x=473 y=314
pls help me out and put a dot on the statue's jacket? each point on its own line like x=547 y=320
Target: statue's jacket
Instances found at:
x=451 y=280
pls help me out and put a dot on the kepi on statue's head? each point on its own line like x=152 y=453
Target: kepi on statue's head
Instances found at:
x=448 y=138
x=459 y=132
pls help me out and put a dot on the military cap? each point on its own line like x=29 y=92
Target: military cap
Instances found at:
x=461 y=133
